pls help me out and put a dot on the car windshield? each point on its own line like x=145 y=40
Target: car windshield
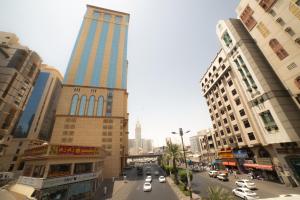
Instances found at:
x=147 y=184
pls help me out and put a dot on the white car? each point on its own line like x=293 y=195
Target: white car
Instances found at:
x=162 y=179
x=246 y=183
x=148 y=179
x=147 y=187
x=245 y=193
x=213 y=173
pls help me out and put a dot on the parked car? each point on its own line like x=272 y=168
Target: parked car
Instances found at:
x=245 y=193
x=148 y=179
x=147 y=187
x=223 y=177
x=246 y=183
x=213 y=173
x=162 y=179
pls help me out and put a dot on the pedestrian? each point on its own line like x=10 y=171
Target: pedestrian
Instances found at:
x=104 y=190
x=235 y=175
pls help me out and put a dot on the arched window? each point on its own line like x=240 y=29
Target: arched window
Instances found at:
x=82 y=105
x=90 y=111
x=100 y=106
x=74 y=104
x=278 y=49
x=214 y=68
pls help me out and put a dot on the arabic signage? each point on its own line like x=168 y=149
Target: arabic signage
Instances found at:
x=240 y=153
x=40 y=150
x=73 y=150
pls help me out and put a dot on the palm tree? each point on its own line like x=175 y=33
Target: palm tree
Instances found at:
x=217 y=193
x=174 y=153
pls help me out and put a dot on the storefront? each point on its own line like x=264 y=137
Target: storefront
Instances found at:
x=228 y=159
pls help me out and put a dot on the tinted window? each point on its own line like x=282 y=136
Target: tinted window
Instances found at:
x=28 y=115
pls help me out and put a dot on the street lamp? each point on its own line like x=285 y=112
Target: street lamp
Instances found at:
x=186 y=167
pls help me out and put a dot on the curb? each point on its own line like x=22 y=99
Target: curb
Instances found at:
x=178 y=193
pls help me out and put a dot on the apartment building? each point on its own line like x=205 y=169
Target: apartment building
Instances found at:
x=207 y=147
x=275 y=26
x=19 y=68
x=253 y=115
x=195 y=145
x=35 y=124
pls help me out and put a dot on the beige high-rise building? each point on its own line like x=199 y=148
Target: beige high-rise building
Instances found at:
x=208 y=147
x=275 y=26
x=19 y=68
x=35 y=124
x=253 y=115
x=89 y=140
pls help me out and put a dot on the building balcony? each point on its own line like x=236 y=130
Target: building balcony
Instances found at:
x=40 y=183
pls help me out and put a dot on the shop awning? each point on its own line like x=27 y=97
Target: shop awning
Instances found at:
x=258 y=166
x=229 y=163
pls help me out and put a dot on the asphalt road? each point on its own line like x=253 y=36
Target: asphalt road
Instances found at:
x=201 y=183
x=159 y=190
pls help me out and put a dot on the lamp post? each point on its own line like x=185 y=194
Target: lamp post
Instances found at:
x=186 y=167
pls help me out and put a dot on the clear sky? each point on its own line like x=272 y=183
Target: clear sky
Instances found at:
x=171 y=43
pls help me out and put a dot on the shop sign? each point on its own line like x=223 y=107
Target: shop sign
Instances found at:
x=73 y=150
x=264 y=161
x=41 y=150
x=67 y=180
x=225 y=155
x=240 y=153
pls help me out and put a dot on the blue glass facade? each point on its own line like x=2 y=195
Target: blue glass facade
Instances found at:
x=27 y=117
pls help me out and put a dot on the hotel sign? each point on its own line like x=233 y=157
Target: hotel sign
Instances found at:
x=73 y=150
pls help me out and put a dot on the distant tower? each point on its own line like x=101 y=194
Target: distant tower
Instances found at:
x=138 y=137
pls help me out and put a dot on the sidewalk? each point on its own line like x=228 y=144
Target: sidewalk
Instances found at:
x=178 y=193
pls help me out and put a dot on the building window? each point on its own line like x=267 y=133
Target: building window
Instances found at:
x=232 y=117
x=59 y=170
x=280 y=21
x=228 y=107
x=225 y=98
x=233 y=92
x=222 y=90
x=230 y=83
x=90 y=111
x=290 y=31
x=222 y=132
x=82 y=105
x=263 y=29
x=38 y=171
x=267 y=4
x=278 y=49
x=251 y=136
x=224 y=142
x=225 y=121
x=81 y=168
x=247 y=18
x=226 y=38
x=246 y=124
x=237 y=101
x=100 y=106
x=239 y=138
x=242 y=112
x=268 y=120
x=236 y=128
x=74 y=105
x=228 y=130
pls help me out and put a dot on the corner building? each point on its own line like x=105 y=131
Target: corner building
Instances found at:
x=263 y=121
x=275 y=26
x=92 y=109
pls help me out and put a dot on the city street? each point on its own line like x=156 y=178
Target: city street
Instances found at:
x=201 y=183
x=133 y=188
